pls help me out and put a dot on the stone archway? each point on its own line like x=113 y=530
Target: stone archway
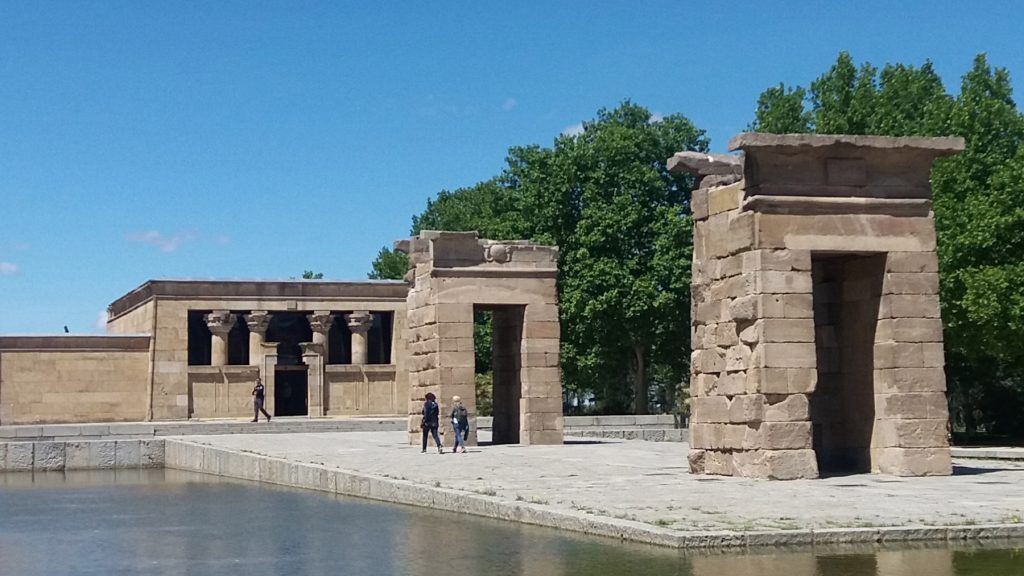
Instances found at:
x=455 y=273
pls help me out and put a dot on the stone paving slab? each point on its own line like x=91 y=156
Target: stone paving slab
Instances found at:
x=645 y=490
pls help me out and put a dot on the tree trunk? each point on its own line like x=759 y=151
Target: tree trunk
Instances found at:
x=639 y=383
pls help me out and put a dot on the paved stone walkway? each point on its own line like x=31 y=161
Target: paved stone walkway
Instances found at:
x=648 y=482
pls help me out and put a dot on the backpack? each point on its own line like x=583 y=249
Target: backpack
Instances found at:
x=462 y=414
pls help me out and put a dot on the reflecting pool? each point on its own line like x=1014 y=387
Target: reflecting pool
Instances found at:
x=170 y=522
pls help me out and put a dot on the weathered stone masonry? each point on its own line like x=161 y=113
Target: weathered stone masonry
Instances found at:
x=453 y=274
x=817 y=340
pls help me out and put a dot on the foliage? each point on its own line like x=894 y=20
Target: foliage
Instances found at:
x=622 y=223
x=310 y=275
x=780 y=110
x=389 y=265
x=484 y=394
x=978 y=207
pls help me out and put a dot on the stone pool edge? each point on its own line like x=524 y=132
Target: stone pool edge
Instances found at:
x=195 y=457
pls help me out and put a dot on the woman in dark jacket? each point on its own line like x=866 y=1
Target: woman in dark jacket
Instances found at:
x=431 y=411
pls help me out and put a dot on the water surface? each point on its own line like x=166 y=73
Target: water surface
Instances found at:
x=171 y=522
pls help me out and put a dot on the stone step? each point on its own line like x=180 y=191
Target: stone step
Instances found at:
x=139 y=430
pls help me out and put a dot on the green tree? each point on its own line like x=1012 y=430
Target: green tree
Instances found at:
x=622 y=223
x=310 y=275
x=978 y=208
x=780 y=110
x=621 y=219
x=389 y=265
x=487 y=207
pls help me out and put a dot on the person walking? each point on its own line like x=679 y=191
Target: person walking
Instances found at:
x=431 y=414
x=257 y=401
x=460 y=424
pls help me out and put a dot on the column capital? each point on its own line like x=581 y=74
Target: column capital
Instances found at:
x=359 y=321
x=320 y=321
x=258 y=321
x=220 y=322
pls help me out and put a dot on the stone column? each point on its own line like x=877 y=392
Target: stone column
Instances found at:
x=258 y=322
x=220 y=323
x=359 y=323
x=320 y=322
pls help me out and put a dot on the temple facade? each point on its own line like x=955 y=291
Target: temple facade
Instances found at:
x=185 y=349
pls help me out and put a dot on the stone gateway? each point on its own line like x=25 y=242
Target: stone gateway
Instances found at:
x=817 y=339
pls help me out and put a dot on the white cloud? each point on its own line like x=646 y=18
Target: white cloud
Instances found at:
x=8 y=269
x=101 y=320
x=656 y=117
x=509 y=104
x=166 y=243
x=574 y=130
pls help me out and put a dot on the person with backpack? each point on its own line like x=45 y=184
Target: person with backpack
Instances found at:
x=431 y=412
x=460 y=423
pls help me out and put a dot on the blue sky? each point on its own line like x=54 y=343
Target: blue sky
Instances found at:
x=250 y=139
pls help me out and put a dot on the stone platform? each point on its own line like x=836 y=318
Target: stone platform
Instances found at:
x=140 y=430
x=634 y=490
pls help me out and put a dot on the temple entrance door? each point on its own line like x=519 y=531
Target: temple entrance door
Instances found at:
x=847 y=293
x=290 y=391
x=291 y=380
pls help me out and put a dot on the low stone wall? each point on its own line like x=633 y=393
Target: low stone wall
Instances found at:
x=653 y=428
x=73 y=378
x=143 y=430
x=81 y=455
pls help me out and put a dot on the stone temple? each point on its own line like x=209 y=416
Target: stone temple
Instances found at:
x=817 y=338
x=178 y=349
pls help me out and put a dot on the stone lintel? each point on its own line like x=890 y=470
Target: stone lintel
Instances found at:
x=811 y=205
x=754 y=140
x=478 y=272
x=839 y=165
x=392 y=290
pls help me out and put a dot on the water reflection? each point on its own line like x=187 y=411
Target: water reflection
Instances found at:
x=170 y=522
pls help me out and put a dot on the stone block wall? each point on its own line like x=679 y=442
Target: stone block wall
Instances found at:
x=366 y=390
x=222 y=391
x=815 y=290
x=73 y=379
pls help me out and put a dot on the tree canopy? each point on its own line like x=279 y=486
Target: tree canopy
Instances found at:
x=621 y=220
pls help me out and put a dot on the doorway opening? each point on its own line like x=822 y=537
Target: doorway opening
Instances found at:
x=847 y=290
x=291 y=385
x=291 y=391
x=505 y=337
